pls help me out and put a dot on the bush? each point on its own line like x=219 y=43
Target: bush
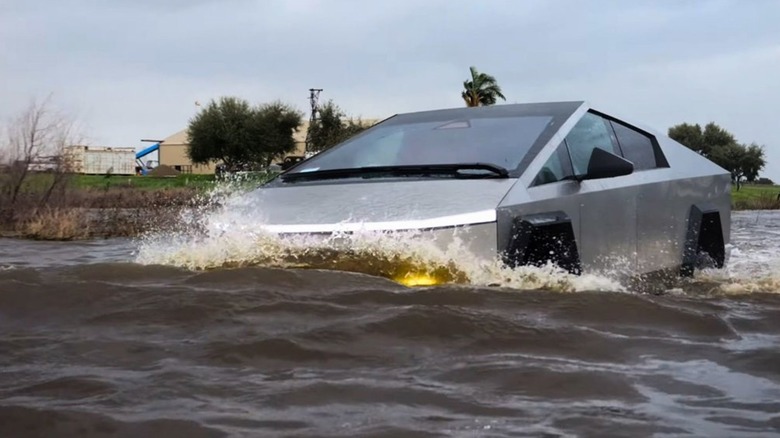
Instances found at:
x=56 y=224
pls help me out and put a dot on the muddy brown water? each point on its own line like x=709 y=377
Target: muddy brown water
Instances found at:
x=96 y=344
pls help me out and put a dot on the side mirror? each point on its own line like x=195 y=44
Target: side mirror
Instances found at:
x=605 y=164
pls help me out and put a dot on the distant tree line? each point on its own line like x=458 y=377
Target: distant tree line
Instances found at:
x=743 y=161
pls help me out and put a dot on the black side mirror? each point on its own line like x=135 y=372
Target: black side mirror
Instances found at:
x=605 y=164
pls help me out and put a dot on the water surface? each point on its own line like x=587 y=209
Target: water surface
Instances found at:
x=94 y=342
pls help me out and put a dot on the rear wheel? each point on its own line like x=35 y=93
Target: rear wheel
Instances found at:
x=704 y=245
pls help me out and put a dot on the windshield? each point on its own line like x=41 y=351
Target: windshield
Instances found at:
x=502 y=141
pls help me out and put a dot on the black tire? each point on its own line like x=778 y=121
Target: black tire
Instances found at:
x=704 y=246
x=536 y=245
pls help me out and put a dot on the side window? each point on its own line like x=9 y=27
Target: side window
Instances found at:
x=590 y=132
x=557 y=167
x=638 y=148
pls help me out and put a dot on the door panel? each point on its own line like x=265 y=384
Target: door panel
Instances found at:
x=607 y=228
x=606 y=208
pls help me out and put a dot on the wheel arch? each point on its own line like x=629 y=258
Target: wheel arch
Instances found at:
x=704 y=234
x=538 y=238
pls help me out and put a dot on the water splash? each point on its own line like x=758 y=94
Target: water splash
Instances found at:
x=753 y=264
x=226 y=232
x=747 y=272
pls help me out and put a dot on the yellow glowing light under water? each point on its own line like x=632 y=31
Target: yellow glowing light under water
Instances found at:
x=418 y=280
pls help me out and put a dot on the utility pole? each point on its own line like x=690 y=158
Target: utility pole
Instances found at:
x=314 y=96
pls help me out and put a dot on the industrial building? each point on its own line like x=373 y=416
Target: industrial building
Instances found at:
x=100 y=160
x=173 y=151
x=172 y=154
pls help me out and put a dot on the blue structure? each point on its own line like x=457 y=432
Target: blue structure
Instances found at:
x=153 y=148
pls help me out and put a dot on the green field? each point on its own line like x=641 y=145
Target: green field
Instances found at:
x=755 y=196
x=36 y=182
x=164 y=182
x=144 y=182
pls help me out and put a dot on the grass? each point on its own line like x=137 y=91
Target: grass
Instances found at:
x=36 y=182
x=162 y=182
x=754 y=191
x=144 y=182
x=755 y=197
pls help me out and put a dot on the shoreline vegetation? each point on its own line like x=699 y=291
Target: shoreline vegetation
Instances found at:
x=97 y=207
x=48 y=206
x=755 y=197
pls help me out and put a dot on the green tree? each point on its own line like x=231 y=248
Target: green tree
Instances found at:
x=332 y=127
x=276 y=123
x=721 y=147
x=729 y=157
x=240 y=136
x=714 y=137
x=753 y=161
x=689 y=135
x=481 y=89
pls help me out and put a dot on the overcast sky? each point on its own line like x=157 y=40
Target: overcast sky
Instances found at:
x=134 y=69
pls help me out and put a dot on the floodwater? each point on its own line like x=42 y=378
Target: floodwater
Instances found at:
x=133 y=339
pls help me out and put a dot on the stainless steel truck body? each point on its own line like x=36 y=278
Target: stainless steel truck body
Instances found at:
x=527 y=183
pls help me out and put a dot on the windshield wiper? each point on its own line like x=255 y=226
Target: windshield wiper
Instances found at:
x=407 y=170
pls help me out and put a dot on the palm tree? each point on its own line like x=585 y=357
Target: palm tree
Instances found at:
x=482 y=89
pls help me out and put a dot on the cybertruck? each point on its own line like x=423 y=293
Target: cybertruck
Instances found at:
x=529 y=184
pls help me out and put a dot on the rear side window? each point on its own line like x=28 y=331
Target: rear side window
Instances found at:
x=595 y=131
x=638 y=148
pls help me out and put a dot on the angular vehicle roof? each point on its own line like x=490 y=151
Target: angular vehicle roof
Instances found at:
x=562 y=116
x=555 y=109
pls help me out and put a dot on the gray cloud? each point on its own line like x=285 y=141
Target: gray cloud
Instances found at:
x=134 y=69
